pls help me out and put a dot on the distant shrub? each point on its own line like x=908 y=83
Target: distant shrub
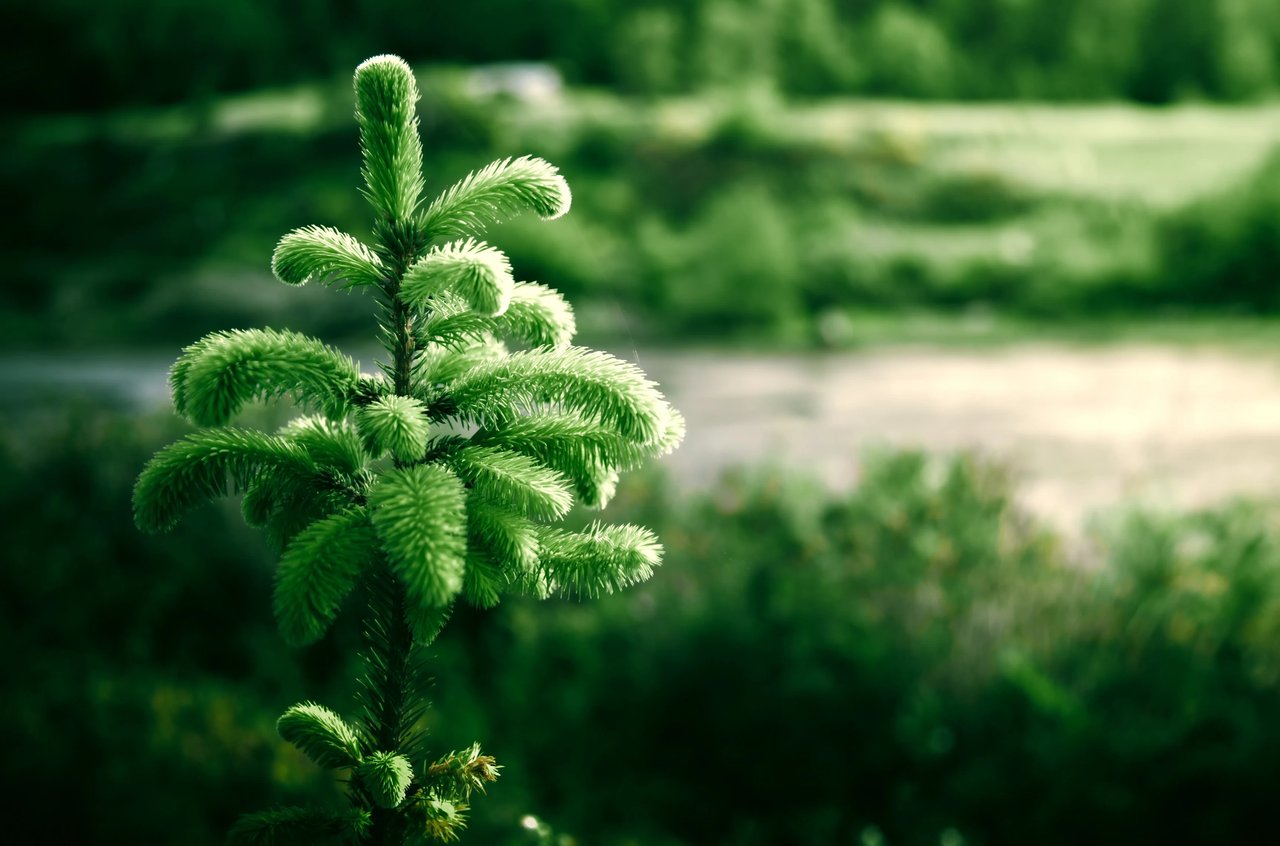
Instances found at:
x=125 y=682
x=911 y=657
x=919 y=657
x=750 y=124
x=649 y=54
x=1225 y=250
x=135 y=52
x=816 y=46
x=805 y=639
x=733 y=269
x=974 y=197
x=907 y=54
x=733 y=44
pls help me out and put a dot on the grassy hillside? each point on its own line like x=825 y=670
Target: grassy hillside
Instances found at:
x=739 y=217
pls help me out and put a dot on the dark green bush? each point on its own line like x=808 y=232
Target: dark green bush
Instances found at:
x=126 y=688
x=912 y=658
x=1225 y=250
x=973 y=197
x=733 y=269
x=908 y=54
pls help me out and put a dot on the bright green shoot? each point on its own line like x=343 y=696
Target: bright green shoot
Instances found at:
x=436 y=480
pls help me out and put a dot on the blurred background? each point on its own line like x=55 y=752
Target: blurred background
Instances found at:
x=971 y=306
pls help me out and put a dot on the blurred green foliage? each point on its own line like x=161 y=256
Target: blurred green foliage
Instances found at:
x=126 y=687
x=1226 y=247
x=917 y=657
x=741 y=217
x=141 y=51
x=915 y=661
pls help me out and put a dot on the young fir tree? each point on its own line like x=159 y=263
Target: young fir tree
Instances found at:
x=438 y=479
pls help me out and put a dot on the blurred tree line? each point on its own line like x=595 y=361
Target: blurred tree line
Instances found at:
x=152 y=51
x=913 y=662
x=656 y=246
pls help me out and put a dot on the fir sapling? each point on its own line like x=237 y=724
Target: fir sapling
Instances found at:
x=436 y=480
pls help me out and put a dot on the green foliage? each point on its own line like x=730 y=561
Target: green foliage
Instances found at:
x=709 y=274
x=386 y=109
x=954 y=657
x=318 y=569
x=1226 y=247
x=1070 y=49
x=440 y=820
x=500 y=476
x=535 y=315
x=219 y=374
x=285 y=501
x=332 y=445
x=397 y=425
x=321 y=735
x=483 y=584
x=300 y=826
x=452 y=326
x=454 y=298
x=497 y=193
x=419 y=516
x=647 y=51
x=907 y=54
x=393 y=671
x=323 y=254
x=852 y=206
x=444 y=516
x=461 y=772
x=574 y=447
x=139 y=687
x=511 y=539
x=950 y=653
x=386 y=777
x=538 y=316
